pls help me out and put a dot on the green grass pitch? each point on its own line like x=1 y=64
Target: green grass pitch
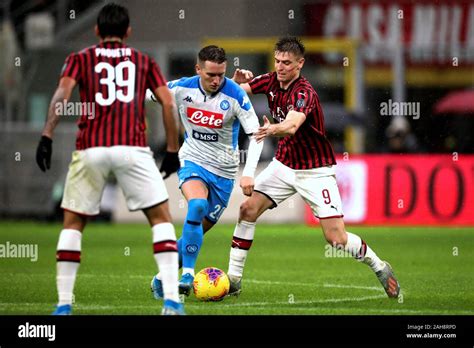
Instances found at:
x=287 y=271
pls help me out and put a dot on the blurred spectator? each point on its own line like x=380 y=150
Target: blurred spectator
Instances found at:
x=400 y=138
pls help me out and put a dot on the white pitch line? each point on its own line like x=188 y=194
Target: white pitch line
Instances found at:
x=256 y=305
x=325 y=285
x=251 y=281
x=329 y=300
x=375 y=288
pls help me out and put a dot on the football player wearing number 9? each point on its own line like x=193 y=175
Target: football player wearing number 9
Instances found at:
x=113 y=78
x=303 y=164
x=212 y=108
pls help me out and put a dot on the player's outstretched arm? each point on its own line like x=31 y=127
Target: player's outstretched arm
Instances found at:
x=253 y=155
x=170 y=163
x=288 y=127
x=243 y=77
x=44 y=150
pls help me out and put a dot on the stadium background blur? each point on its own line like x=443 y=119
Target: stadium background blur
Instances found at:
x=363 y=58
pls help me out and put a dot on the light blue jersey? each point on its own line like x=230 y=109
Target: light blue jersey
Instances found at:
x=212 y=123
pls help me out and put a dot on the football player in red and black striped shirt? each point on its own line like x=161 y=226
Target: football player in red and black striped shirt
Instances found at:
x=303 y=164
x=113 y=79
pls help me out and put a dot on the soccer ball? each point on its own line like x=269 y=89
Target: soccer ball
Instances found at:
x=211 y=284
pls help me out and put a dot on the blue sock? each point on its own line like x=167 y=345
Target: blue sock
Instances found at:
x=192 y=231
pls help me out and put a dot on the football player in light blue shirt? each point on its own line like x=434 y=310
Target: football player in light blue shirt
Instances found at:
x=212 y=108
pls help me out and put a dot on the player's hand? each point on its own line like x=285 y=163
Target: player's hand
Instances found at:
x=44 y=152
x=242 y=76
x=170 y=164
x=247 y=184
x=264 y=131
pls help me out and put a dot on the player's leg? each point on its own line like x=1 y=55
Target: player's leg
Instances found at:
x=337 y=236
x=156 y=284
x=206 y=226
x=195 y=191
x=320 y=191
x=197 y=184
x=207 y=183
x=166 y=256
x=144 y=189
x=68 y=258
x=272 y=186
x=243 y=236
x=85 y=182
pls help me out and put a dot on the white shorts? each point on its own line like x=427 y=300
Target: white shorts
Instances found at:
x=133 y=167
x=316 y=186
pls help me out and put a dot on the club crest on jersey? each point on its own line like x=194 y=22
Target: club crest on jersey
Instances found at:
x=205 y=118
x=225 y=105
x=205 y=136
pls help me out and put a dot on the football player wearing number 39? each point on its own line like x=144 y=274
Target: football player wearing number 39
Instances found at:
x=212 y=108
x=303 y=164
x=113 y=78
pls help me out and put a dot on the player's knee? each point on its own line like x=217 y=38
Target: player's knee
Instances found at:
x=74 y=221
x=197 y=209
x=248 y=211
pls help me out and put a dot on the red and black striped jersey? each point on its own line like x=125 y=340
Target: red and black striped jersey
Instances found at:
x=309 y=147
x=113 y=79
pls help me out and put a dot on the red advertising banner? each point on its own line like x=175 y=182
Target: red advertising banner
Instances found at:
x=433 y=31
x=406 y=189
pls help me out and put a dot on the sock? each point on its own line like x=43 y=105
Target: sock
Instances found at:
x=241 y=243
x=166 y=257
x=362 y=252
x=193 y=233
x=180 y=257
x=68 y=257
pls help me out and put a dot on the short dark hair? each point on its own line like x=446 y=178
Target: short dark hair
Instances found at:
x=290 y=44
x=213 y=54
x=113 y=20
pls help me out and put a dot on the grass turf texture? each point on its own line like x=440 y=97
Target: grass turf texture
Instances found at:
x=287 y=271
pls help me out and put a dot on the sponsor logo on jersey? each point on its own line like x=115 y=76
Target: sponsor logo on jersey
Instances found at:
x=188 y=99
x=205 y=118
x=225 y=105
x=205 y=136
